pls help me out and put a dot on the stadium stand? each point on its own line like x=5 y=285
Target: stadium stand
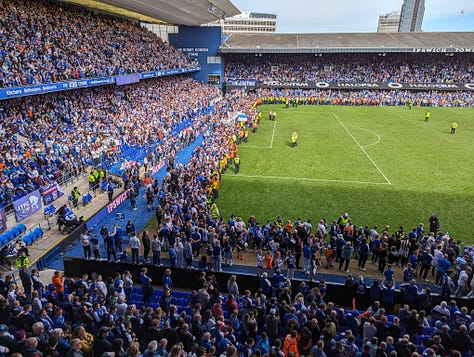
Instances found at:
x=45 y=138
x=49 y=41
x=252 y=322
x=354 y=67
x=82 y=128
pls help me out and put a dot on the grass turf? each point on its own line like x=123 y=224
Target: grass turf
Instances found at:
x=382 y=165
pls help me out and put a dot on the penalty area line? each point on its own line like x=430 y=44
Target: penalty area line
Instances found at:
x=305 y=179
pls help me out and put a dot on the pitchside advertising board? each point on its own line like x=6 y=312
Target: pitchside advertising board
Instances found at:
x=27 y=205
x=31 y=203
x=50 y=192
x=249 y=83
x=15 y=92
x=3 y=221
x=109 y=209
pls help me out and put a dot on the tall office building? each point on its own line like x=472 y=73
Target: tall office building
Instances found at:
x=389 y=22
x=411 y=16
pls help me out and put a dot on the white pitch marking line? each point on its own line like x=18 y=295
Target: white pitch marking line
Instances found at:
x=371 y=132
x=273 y=134
x=306 y=179
x=362 y=148
x=254 y=147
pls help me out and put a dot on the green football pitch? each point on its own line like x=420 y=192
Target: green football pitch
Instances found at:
x=382 y=165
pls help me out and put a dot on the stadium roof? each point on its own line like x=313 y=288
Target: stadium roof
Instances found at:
x=350 y=42
x=176 y=12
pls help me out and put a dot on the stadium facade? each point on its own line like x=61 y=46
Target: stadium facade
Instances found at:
x=389 y=22
x=247 y=22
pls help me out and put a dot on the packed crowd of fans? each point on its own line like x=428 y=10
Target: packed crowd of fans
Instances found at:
x=85 y=127
x=93 y=316
x=197 y=237
x=48 y=41
x=98 y=316
x=367 y=97
x=373 y=67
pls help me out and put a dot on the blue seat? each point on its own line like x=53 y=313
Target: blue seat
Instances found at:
x=27 y=239
x=178 y=294
x=10 y=235
x=49 y=210
x=15 y=231
x=22 y=228
x=38 y=232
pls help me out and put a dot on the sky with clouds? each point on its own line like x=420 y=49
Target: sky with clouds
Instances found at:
x=317 y=16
